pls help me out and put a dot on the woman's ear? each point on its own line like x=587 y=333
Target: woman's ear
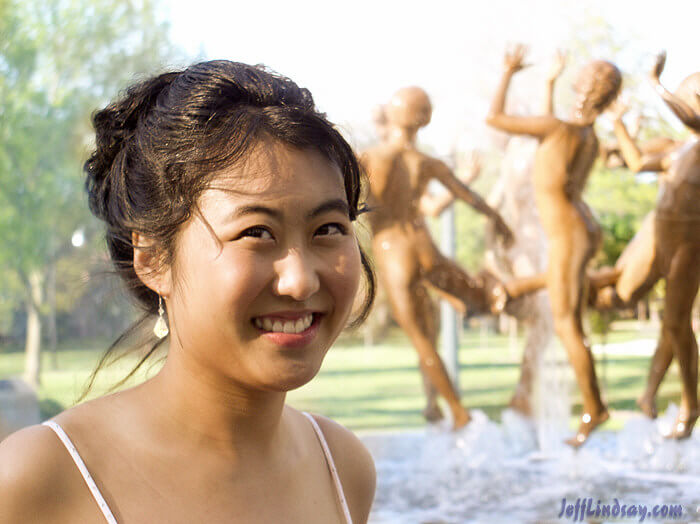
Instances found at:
x=148 y=265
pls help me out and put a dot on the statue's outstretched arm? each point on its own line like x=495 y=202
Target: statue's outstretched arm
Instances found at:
x=635 y=159
x=536 y=126
x=434 y=205
x=444 y=175
x=683 y=111
x=554 y=73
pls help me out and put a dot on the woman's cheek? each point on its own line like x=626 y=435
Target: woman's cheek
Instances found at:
x=347 y=276
x=243 y=278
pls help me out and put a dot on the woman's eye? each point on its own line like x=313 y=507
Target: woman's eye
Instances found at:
x=331 y=229
x=256 y=232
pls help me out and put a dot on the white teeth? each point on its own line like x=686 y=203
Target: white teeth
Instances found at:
x=286 y=326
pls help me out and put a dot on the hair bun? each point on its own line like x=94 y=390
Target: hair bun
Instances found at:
x=115 y=126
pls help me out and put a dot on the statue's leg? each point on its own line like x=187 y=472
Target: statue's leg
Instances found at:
x=660 y=362
x=638 y=269
x=603 y=277
x=430 y=321
x=682 y=283
x=406 y=303
x=521 y=286
x=601 y=288
x=565 y=279
x=448 y=277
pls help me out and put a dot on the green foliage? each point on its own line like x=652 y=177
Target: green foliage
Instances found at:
x=620 y=202
x=59 y=60
x=471 y=244
x=600 y=321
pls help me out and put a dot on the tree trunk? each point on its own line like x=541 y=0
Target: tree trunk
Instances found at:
x=32 y=348
x=51 y=327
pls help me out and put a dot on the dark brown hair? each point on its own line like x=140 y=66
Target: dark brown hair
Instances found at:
x=159 y=146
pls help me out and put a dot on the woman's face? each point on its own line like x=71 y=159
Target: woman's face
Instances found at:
x=262 y=307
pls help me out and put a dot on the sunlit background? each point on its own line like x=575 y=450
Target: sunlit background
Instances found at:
x=60 y=307
x=61 y=60
x=354 y=55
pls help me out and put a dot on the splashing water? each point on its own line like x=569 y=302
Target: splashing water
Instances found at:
x=491 y=472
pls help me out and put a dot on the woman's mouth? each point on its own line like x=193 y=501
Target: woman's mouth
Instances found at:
x=281 y=325
x=289 y=332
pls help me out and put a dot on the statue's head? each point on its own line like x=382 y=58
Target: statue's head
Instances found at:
x=409 y=107
x=597 y=85
x=689 y=91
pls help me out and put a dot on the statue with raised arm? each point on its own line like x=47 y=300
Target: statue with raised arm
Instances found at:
x=563 y=161
x=514 y=197
x=407 y=260
x=670 y=247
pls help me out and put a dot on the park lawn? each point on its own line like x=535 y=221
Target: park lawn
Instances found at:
x=378 y=387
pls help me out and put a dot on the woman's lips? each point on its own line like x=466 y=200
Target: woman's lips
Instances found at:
x=278 y=322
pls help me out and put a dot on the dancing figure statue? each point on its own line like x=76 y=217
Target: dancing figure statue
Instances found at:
x=514 y=197
x=667 y=246
x=407 y=260
x=563 y=161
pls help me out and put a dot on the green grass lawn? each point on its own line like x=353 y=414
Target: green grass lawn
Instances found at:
x=378 y=387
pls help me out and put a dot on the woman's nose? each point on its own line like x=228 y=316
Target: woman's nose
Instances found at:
x=296 y=276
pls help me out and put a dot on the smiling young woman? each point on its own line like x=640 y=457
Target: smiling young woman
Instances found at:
x=229 y=202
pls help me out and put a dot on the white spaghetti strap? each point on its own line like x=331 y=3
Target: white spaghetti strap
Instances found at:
x=83 y=470
x=331 y=466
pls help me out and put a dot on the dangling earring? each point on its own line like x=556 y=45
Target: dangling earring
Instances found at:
x=161 y=328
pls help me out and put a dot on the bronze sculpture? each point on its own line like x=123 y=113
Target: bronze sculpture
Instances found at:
x=514 y=196
x=669 y=245
x=563 y=161
x=407 y=260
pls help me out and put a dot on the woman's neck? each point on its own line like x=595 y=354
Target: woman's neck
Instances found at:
x=213 y=411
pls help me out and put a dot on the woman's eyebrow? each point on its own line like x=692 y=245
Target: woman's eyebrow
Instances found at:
x=337 y=204
x=254 y=209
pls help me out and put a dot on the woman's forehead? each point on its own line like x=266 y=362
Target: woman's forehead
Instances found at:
x=276 y=173
x=271 y=163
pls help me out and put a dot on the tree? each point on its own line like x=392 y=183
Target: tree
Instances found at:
x=58 y=61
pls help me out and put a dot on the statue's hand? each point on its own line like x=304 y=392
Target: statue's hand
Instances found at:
x=558 y=64
x=655 y=73
x=503 y=231
x=513 y=59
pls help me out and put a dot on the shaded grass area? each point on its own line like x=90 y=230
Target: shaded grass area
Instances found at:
x=373 y=388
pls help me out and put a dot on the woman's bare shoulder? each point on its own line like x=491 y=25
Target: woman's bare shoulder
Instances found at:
x=39 y=481
x=354 y=464
x=33 y=463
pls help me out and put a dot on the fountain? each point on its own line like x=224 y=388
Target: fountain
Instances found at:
x=520 y=469
x=517 y=471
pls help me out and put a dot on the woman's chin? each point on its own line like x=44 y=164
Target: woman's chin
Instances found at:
x=293 y=377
